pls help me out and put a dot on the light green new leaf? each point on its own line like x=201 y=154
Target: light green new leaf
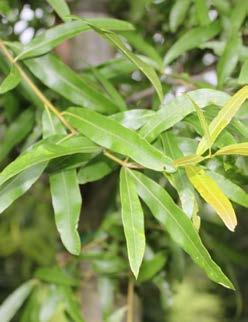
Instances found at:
x=178 y=14
x=46 y=150
x=53 y=37
x=112 y=135
x=11 y=81
x=230 y=189
x=63 y=80
x=213 y=195
x=243 y=76
x=202 y=12
x=66 y=200
x=145 y=68
x=60 y=7
x=15 y=300
x=178 y=225
x=17 y=186
x=239 y=149
x=223 y=118
x=192 y=39
x=188 y=160
x=228 y=59
x=132 y=220
x=178 y=109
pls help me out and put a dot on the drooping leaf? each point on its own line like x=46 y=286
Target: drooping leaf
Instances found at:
x=15 y=300
x=46 y=150
x=51 y=38
x=230 y=189
x=11 y=81
x=112 y=135
x=229 y=59
x=178 y=14
x=213 y=195
x=178 y=226
x=223 y=118
x=202 y=12
x=60 y=7
x=133 y=221
x=191 y=39
x=239 y=149
x=179 y=108
x=243 y=76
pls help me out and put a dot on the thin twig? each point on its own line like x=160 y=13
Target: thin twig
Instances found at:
x=121 y=162
x=130 y=297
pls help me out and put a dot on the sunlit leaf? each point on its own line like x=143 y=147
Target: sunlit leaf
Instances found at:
x=188 y=160
x=60 y=7
x=239 y=149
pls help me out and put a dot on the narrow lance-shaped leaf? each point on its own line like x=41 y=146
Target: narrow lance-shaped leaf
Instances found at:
x=133 y=221
x=191 y=39
x=239 y=149
x=133 y=119
x=11 y=81
x=60 y=7
x=202 y=12
x=223 y=118
x=178 y=225
x=178 y=14
x=213 y=195
x=112 y=135
x=188 y=160
x=243 y=76
x=15 y=300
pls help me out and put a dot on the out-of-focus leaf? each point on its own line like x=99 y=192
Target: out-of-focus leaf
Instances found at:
x=72 y=305
x=188 y=160
x=178 y=14
x=213 y=195
x=223 y=118
x=222 y=5
x=63 y=80
x=11 y=81
x=133 y=221
x=96 y=169
x=229 y=59
x=191 y=39
x=17 y=186
x=51 y=38
x=60 y=7
x=55 y=275
x=243 y=76
x=239 y=12
x=179 y=179
x=133 y=119
x=118 y=315
x=178 y=225
x=150 y=268
x=239 y=149
x=16 y=132
x=114 y=136
x=230 y=189
x=15 y=300
x=202 y=12
x=46 y=150
x=179 y=108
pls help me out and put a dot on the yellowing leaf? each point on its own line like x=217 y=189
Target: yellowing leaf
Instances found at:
x=212 y=194
x=188 y=160
x=239 y=148
x=223 y=118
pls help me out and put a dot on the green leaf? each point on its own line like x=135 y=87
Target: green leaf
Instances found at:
x=66 y=199
x=223 y=118
x=11 y=81
x=228 y=59
x=133 y=119
x=178 y=225
x=238 y=14
x=202 y=12
x=17 y=186
x=191 y=39
x=230 y=189
x=16 y=132
x=14 y=301
x=133 y=221
x=47 y=150
x=178 y=13
x=239 y=149
x=112 y=135
x=72 y=305
x=145 y=68
x=60 y=7
x=63 y=80
x=178 y=109
x=151 y=267
x=55 y=275
x=53 y=37
x=188 y=160
x=243 y=76
x=213 y=195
